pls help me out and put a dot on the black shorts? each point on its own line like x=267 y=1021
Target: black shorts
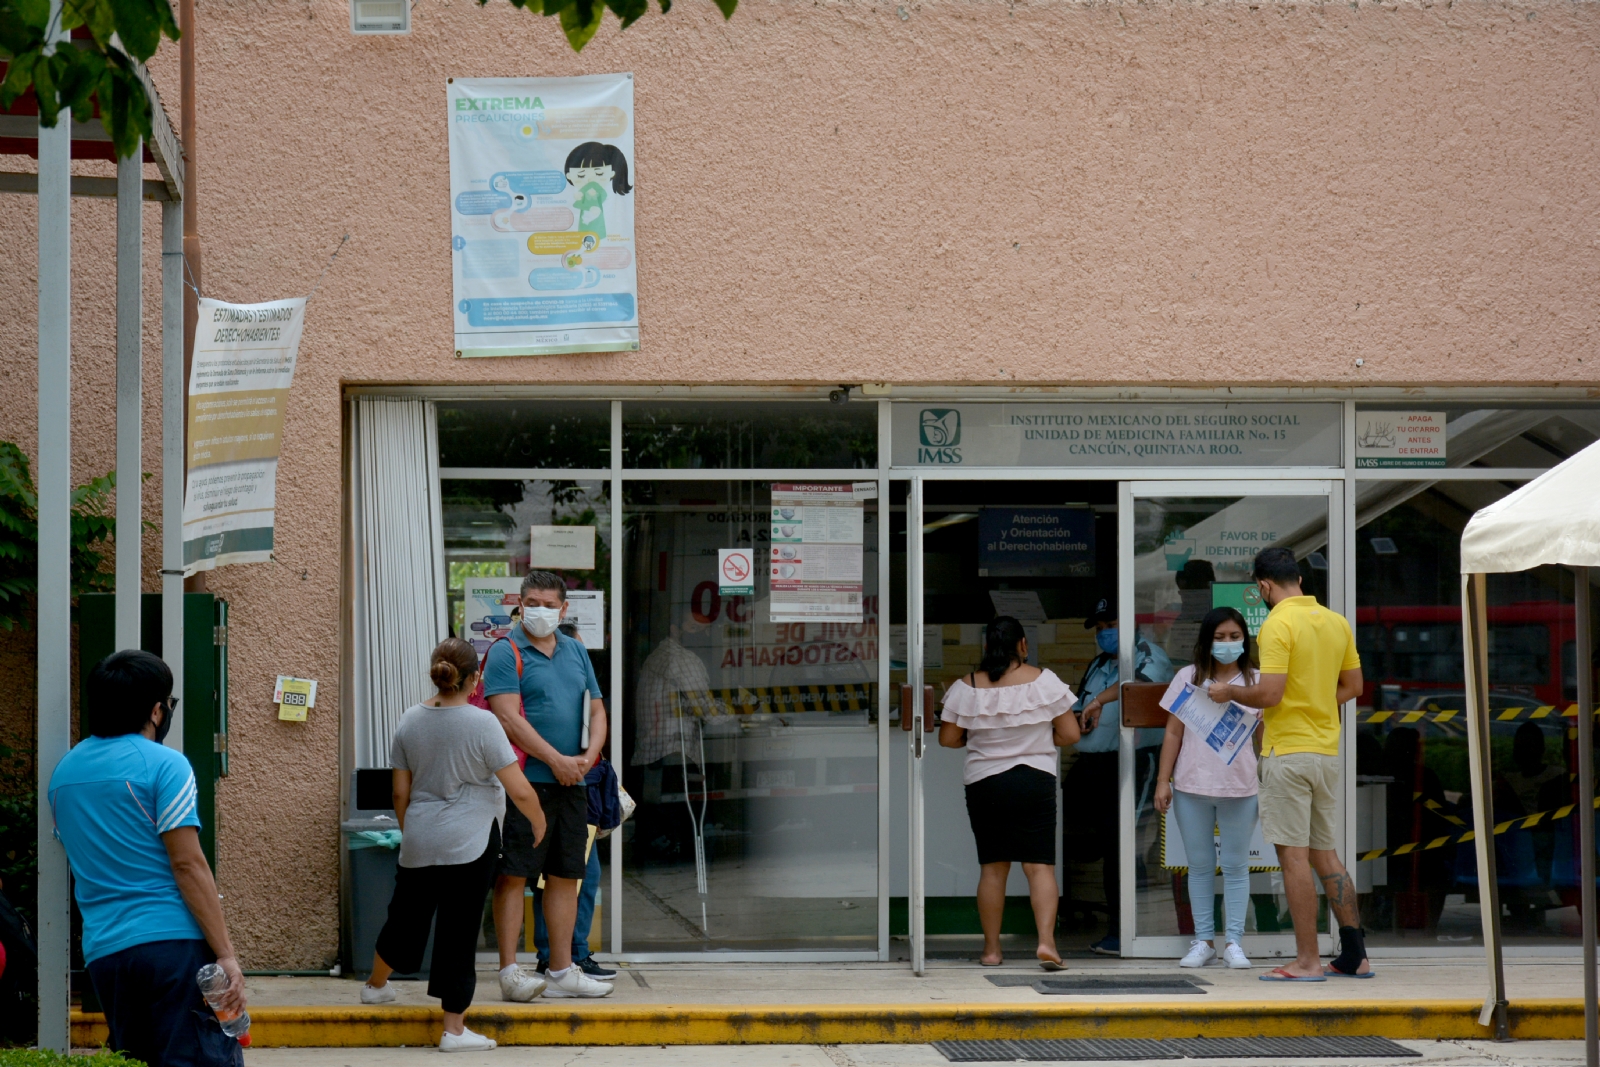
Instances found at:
x=1013 y=816
x=564 y=851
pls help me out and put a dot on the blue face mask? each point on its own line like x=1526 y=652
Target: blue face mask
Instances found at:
x=1226 y=651
x=1108 y=640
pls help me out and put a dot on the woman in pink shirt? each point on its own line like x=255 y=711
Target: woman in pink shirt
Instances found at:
x=1206 y=794
x=1011 y=718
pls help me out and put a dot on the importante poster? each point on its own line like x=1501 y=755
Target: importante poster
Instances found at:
x=541 y=214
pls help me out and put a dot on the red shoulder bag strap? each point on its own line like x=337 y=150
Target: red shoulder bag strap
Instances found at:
x=479 y=700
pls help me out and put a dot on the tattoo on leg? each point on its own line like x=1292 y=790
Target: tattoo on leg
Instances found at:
x=1340 y=891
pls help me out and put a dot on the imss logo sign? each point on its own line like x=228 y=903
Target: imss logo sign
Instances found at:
x=940 y=433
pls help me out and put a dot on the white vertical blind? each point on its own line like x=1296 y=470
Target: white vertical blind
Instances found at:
x=399 y=572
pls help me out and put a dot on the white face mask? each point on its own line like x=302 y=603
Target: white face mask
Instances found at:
x=541 y=622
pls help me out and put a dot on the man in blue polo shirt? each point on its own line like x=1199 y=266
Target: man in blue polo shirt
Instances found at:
x=535 y=682
x=124 y=807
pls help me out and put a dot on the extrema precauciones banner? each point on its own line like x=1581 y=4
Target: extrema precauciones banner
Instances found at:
x=541 y=215
x=244 y=356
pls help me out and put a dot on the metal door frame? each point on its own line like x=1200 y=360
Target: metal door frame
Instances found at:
x=1128 y=493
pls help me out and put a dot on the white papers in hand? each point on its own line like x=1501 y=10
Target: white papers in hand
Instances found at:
x=1225 y=728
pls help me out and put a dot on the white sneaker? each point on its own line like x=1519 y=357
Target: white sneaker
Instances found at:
x=466 y=1041
x=1200 y=954
x=577 y=984
x=520 y=986
x=383 y=994
x=1234 y=956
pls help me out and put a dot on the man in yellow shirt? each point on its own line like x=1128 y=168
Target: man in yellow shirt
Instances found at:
x=1309 y=669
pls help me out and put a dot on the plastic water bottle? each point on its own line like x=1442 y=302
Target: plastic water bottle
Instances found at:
x=213 y=983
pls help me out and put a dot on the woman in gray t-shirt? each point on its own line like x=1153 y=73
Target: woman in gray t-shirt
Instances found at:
x=453 y=769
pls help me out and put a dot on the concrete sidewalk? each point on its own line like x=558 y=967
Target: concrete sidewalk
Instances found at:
x=947 y=982
x=714 y=1003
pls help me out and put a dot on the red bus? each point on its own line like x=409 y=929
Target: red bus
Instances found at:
x=1411 y=655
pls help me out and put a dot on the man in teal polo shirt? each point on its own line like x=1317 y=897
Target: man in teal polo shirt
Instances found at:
x=535 y=683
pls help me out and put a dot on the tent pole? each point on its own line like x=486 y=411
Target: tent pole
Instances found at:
x=1583 y=646
x=1474 y=633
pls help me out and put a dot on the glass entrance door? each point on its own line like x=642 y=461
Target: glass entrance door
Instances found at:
x=1185 y=548
x=1043 y=551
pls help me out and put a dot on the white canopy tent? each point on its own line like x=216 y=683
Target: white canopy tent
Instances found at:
x=1554 y=519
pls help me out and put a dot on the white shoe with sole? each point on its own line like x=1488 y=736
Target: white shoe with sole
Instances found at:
x=519 y=986
x=1200 y=954
x=577 y=984
x=1234 y=956
x=465 y=1041
x=383 y=994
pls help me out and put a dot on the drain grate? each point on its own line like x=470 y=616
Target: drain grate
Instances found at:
x=1296 y=1047
x=1103 y=1049
x=1094 y=1049
x=1102 y=985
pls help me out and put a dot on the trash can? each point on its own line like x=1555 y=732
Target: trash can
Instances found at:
x=373 y=841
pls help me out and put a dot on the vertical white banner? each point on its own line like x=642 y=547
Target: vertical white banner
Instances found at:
x=541 y=215
x=244 y=357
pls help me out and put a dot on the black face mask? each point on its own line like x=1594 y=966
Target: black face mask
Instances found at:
x=164 y=727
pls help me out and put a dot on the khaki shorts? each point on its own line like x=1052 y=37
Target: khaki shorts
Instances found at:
x=1300 y=800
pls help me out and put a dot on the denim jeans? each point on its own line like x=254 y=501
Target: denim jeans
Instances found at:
x=580 y=929
x=1198 y=816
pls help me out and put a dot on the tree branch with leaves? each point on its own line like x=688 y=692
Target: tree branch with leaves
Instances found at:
x=96 y=72
x=89 y=73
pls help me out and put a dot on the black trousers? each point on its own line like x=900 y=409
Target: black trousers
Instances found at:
x=450 y=899
x=154 y=1009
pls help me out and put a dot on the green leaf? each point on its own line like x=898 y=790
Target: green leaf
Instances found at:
x=666 y=5
x=580 y=20
x=726 y=7
x=629 y=11
x=138 y=28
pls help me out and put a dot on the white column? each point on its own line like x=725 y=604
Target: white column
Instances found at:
x=130 y=398
x=174 y=391
x=53 y=477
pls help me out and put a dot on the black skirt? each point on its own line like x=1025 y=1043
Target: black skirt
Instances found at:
x=1013 y=816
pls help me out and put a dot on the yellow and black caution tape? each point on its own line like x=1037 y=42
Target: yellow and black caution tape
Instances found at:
x=1526 y=822
x=1433 y=713
x=1438 y=809
x=775 y=700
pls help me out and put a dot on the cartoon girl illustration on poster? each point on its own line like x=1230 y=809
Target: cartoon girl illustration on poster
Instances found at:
x=590 y=168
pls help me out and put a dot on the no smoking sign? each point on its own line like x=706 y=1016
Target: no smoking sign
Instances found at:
x=736 y=572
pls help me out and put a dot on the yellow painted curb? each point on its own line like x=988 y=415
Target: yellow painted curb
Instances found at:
x=666 y=1024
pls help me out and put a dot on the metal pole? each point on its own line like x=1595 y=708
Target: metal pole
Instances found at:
x=916 y=905
x=1475 y=650
x=618 y=629
x=53 y=477
x=888 y=702
x=188 y=131
x=174 y=389
x=130 y=397
x=1583 y=650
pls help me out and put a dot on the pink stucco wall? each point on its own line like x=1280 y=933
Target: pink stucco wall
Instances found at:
x=951 y=192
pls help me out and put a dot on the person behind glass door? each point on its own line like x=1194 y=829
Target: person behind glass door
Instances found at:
x=453 y=769
x=1011 y=718
x=1090 y=787
x=1205 y=793
x=1309 y=668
